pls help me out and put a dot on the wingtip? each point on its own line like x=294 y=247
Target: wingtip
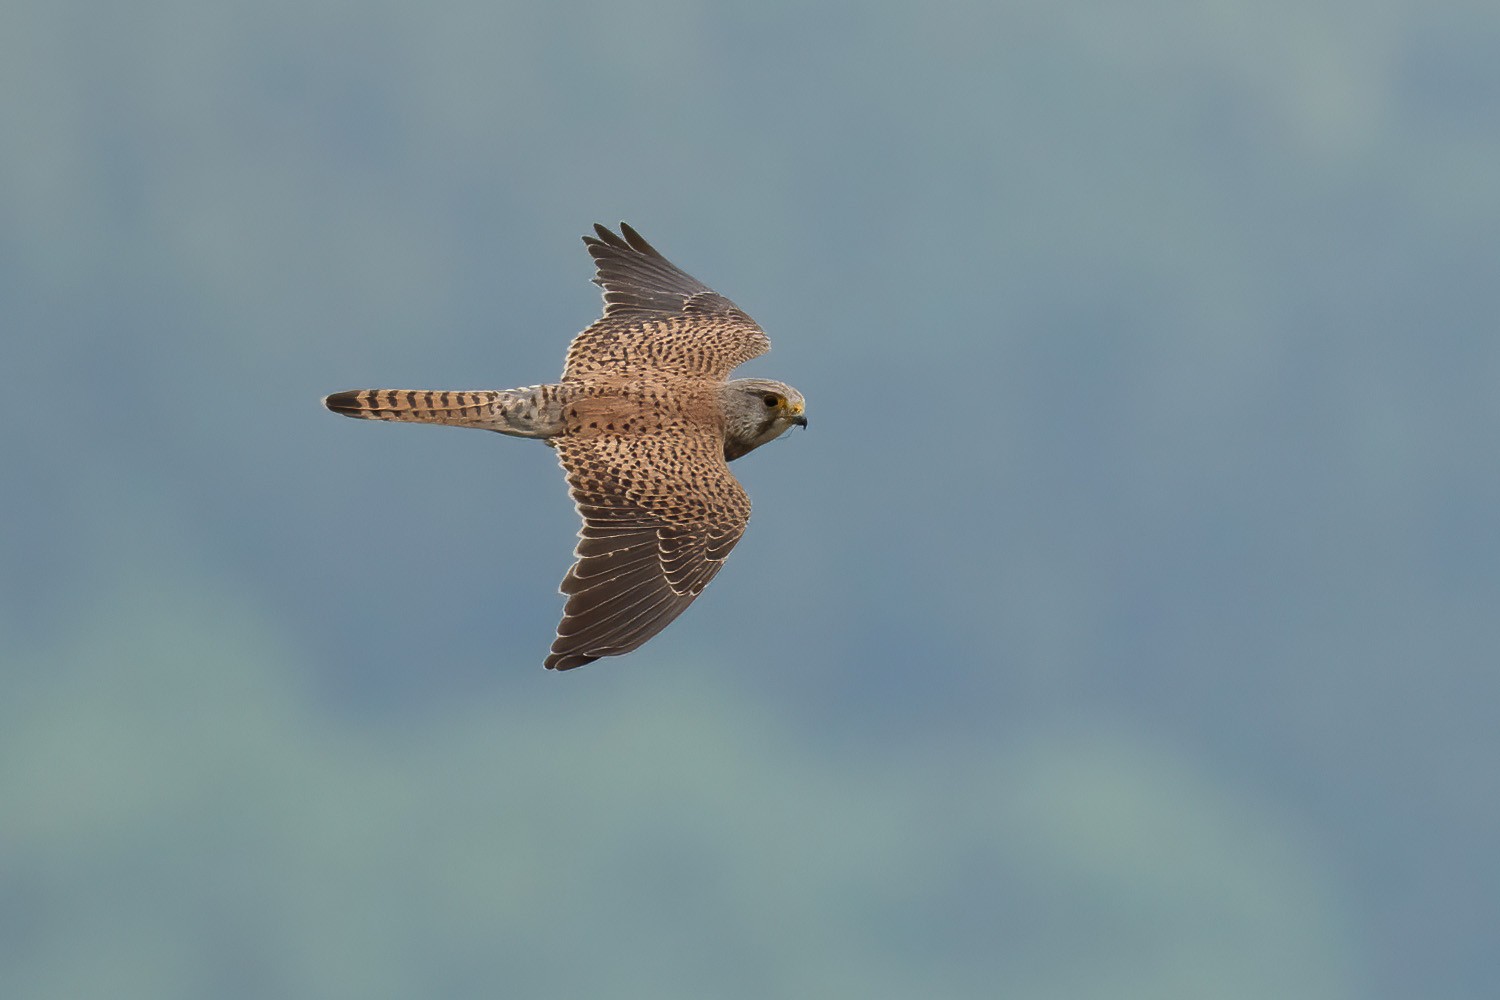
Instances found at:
x=628 y=238
x=566 y=661
x=636 y=241
x=604 y=236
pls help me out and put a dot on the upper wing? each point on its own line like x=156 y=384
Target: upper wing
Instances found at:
x=660 y=514
x=658 y=318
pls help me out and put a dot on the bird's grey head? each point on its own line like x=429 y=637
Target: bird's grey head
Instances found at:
x=757 y=410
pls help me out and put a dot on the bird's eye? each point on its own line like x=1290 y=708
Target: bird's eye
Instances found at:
x=773 y=400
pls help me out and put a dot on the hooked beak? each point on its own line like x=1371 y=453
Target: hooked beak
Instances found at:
x=796 y=411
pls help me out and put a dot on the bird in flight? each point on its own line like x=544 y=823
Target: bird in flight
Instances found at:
x=644 y=422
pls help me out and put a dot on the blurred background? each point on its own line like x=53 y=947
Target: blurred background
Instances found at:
x=1125 y=624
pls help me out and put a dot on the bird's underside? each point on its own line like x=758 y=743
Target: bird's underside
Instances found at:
x=643 y=423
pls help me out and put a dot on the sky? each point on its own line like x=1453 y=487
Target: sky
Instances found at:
x=1122 y=624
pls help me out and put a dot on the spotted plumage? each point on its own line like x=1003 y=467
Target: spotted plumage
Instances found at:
x=644 y=423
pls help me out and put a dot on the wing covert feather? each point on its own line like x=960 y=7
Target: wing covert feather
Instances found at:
x=660 y=515
x=657 y=318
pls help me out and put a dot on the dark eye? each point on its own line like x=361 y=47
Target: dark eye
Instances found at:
x=773 y=400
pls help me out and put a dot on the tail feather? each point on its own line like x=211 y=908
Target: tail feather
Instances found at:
x=459 y=409
x=535 y=411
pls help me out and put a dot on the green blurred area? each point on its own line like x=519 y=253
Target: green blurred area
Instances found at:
x=1122 y=626
x=182 y=820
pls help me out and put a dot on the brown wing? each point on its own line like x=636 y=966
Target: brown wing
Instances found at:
x=658 y=318
x=660 y=514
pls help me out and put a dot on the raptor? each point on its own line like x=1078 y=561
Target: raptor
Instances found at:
x=644 y=422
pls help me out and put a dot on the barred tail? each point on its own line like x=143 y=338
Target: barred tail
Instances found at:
x=535 y=411
x=461 y=409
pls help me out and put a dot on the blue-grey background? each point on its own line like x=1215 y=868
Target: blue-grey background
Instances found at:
x=1125 y=624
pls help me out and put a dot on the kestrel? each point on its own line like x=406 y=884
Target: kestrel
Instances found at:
x=644 y=423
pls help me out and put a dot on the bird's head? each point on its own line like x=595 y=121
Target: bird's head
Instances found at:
x=757 y=410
